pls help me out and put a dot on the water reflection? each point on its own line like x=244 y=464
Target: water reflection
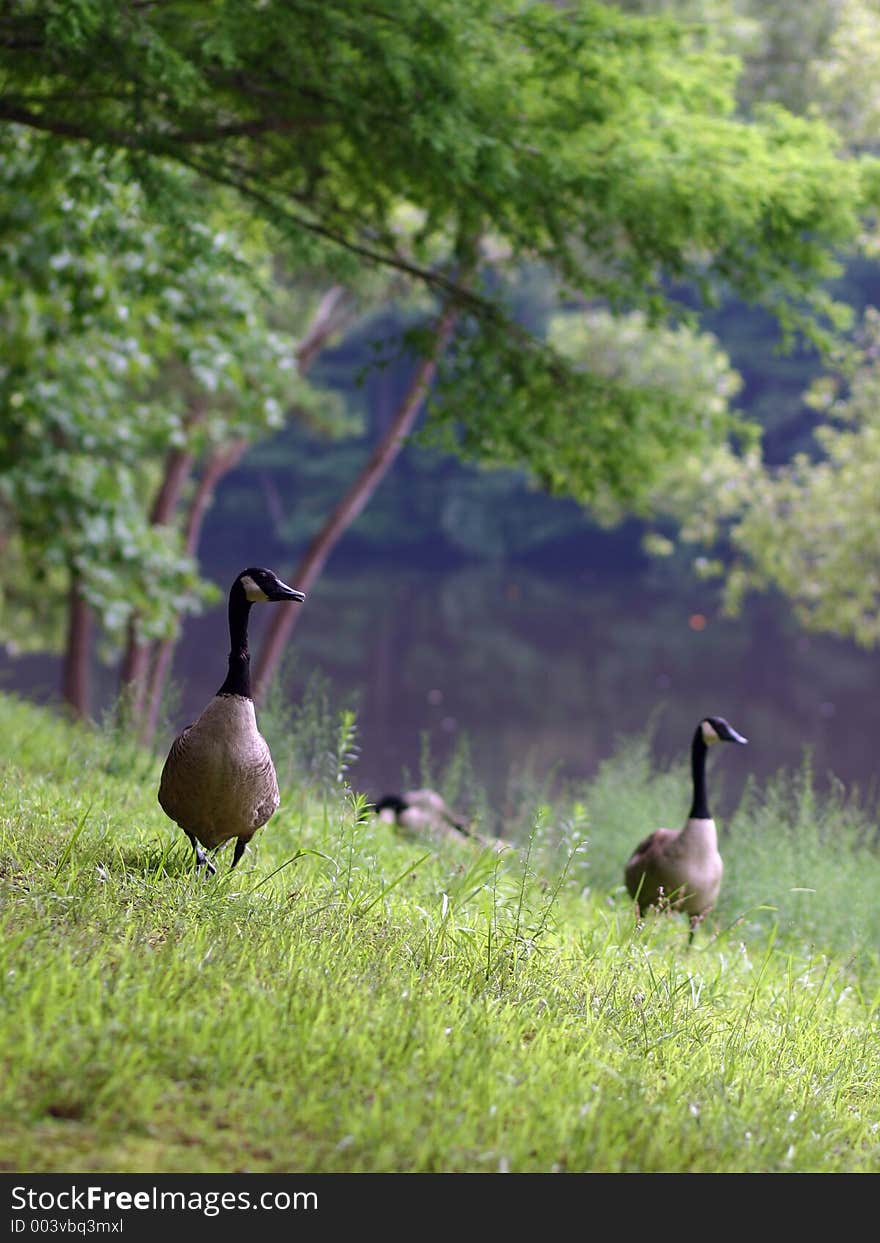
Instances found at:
x=547 y=670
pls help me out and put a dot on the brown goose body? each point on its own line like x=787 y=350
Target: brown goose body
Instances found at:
x=682 y=868
x=218 y=781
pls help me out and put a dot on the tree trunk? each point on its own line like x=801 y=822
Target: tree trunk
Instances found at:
x=133 y=675
x=77 y=653
x=161 y=667
x=283 y=621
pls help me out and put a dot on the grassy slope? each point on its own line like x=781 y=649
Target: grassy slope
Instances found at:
x=480 y=1014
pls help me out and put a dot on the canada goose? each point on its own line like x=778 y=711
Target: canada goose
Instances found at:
x=218 y=780
x=425 y=814
x=682 y=867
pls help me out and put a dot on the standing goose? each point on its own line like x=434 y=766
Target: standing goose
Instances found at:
x=682 y=867
x=425 y=814
x=219 y=781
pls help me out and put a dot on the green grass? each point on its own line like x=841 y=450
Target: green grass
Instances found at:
x=345 y=1001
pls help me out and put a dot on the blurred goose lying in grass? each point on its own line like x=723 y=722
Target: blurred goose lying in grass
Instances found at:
x=219 y=781
x=681 y=868
x=424 y=815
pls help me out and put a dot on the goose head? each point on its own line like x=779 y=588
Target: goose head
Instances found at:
x=260 y=585
x=717 y=729
x=389 y=807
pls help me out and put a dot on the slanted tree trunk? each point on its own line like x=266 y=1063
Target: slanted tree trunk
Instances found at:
x=283 y=621
x=75 y=678
x=330 y=316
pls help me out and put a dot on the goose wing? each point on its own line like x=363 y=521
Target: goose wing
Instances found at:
x=645 y=858
x=174 y=762
x=653 y=844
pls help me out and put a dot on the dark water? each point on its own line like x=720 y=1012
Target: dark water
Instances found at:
x=545 y=670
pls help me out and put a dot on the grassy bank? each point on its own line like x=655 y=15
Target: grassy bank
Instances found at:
x=346 y=1001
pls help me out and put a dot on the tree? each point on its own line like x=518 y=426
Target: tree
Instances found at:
x=810 y=528
x=356 y=496
x=146 y=667
x=126 y=338
x=821 y=60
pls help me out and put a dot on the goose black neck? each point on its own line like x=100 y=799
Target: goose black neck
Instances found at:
x=238 y=679
x=700 y=806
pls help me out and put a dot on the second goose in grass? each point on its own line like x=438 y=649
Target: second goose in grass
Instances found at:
x=424 y=814
x=219 y=781
x=681 y=868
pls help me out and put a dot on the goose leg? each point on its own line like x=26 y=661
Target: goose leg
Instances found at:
x=240 y=844
x=202 y=859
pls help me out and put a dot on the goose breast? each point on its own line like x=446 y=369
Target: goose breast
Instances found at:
x=219 y=781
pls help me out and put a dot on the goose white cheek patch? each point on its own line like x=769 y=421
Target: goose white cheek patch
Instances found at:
x=251 y=590
x=709 y=734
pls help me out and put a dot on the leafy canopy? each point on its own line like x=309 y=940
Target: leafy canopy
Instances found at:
x=605 y=145
x=118 y=325
x=809 y=528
